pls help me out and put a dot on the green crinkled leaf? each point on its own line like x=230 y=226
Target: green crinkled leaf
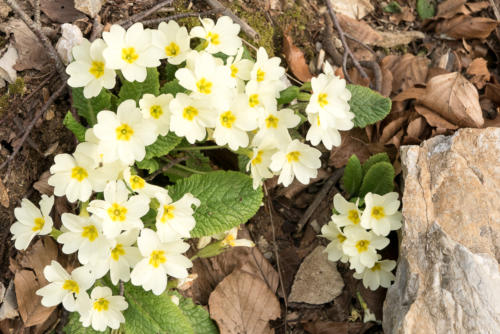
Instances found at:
x=242 y=162
x=379 y=157
x=197 y=315
x=135 y=90
x=148 y=313
x=227 y=200
x=74 y=126
x=367 y=105
x=151 y=165
x=425 y=9
x=288 y=95
x=393 y=7
x=74 y=326
x=378 y=180
x=353 y=175
x=170 y=70
x=198 y=161
x=162 y=146
x=89 y=108
x=172 y=87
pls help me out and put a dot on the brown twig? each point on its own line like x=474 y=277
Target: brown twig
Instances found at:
x=20 y=127
x=179 y=16
x=270 y=210
x=352 y=38
x=37 y=30
x=166 y=167
x=320 y=196
x=215 y=4
x=347 y=50
x=36 y=17
x=40 y=86
x=36 y=117
x=142 y=15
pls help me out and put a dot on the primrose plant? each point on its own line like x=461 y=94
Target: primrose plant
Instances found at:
x=177 y=88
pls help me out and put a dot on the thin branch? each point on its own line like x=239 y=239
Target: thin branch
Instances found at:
x=41 y=36
x=347 y=50
x=37 y=12
x=37 y=116
x=352 y=38
x=215 y=4
x=179 y=16
x=171 y=164
x=142 y=15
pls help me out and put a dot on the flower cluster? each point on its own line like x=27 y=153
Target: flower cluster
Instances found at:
x=230 y=99
x=356 y=235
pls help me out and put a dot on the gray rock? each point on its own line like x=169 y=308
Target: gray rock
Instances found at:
x=448 y=278
x=89 y=7
x=317 y=281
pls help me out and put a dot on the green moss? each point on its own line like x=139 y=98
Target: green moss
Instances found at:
x=17 y=87
x=4 y=103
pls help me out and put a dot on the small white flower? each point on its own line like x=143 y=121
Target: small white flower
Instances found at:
x=173 y=40
x=231 y=239
x=378 y=275
x=190 y=117
x=328 y=135
x=123 y=256
x=220 y=37
x=131 y=51
x=240 y=68
x=102 y=309
x=260 y=96
x=64 y=287
x=89 y=70
x=274 y=125
x=31 y=221
x=299 y=160
x=337 y=238
x=381 y=213
x=124 y=135
x=362 y=246
x=159 y=260
x=233 y=123
x=119 y=213
x=349 y=212
x=267 y=71
x=175 y=220
x=260 y=161
x=157 y=110
x=140 y=186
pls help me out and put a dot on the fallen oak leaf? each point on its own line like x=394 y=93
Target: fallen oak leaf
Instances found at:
x=356 y=9
x=450 y=8
x=359 y=30
x=465 y=26
x=243 y=303
x=407 y=71
x=434 y=119
x=492 y=92
x=295 y=59
x=478 y=69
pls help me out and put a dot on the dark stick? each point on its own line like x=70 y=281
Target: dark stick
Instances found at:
x=142 y=15
x=179 y=16
x=166 y=167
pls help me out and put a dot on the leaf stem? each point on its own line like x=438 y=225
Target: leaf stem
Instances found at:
x=198 y=148
x=187 y=169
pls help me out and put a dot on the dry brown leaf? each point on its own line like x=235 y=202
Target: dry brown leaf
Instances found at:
x=61 y=11
x=332 y=327
x=455 y=99
x=243 y=303
x=295 y=59
x=416 y=127
x=358 y=29
x=410 y=93
x=465 y=26
x=4 y=195
x=477 y=6
x=478 y=69
x=387 y=79
x=434 y=119
x=407 y=71
x=450 y=8
x=392 y=39
x=492 y=92
x=42 y=185
x=391 y=129
x=356 y=9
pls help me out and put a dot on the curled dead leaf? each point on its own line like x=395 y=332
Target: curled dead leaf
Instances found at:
x=478 y=69
x=450 y=8
x=434 y=119
x=295 y=59
x=392 y=39
x=356 y=9
x=359 y=29
x=243 y=303
x=465 y=26
x=455 y=99
x=492 y=92
x=407 y=71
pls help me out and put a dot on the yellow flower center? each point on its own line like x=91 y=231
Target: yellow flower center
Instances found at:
x=228 y=240
x=190 y=113
x=376 y=267
x=79 y=173
x=117 y=252
x=234 y=70
x=353 y=216
x=155 y=111
x=322 y=101
x=272 y=121
x=137 y=182
x=213 y=38
x=102 y=304
x=117 y=212
x=204 y=86
x=341 y=238
x=129 y=55
x=71 y=285
x=260 y=75
x=378 y=212
x=362 y=245
x=168 y=213
x=38 y=224
x=258 y=158
x=97 y=69
x=124 y=132
x=90 y=232
x=293 y=156
x=172 y=49
x=227 y=119
x=156 y=258
x=253 y=100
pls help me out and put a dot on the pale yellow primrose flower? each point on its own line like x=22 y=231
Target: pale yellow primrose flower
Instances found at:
x=173 y=40
x=175 y=219
x=64 y=287
x=328 y=135
x=240 y=68
x=378 y=275
x=89 y=69
x=159 y=260
x=140 y=186
x=267 y=72
x=274 y=125
x=296 y=160
x=361 y=246
x=157 y=110
x=260 y=161
x=349 y=213
x=131 y=51
x=331 y=232
x=381 y=213
x=31 y=221
x=102 y=309
x=220 y=37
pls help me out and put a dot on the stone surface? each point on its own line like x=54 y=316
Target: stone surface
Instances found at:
x=89 y=7
x=448 y=278
x=317 y=281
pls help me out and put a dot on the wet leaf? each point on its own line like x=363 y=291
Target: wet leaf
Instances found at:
x=295 y=59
